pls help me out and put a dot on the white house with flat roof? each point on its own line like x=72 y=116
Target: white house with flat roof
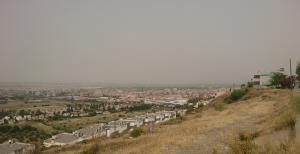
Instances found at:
x=262 y=79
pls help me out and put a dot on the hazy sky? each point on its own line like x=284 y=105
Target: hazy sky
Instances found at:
x=139 y=41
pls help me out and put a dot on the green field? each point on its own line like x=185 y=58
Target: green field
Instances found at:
x=18 y=105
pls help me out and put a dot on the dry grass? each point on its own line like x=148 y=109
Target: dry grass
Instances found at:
x=204 y=132
x=281 y=120
x=219 y=103
x=296 y=102
x=219 y=106
x=284 y=115
x=249 y=147
x=242 y=147
x=286 y=120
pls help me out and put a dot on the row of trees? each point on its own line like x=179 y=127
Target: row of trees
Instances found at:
x=280 y=80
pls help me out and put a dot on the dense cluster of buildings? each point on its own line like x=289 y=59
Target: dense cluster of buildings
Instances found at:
x=90 y=101
x=110 y=95
x=82 y=101
x=107 y=129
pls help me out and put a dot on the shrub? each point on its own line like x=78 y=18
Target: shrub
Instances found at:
x=250 y=85
x=237 y=94
x=136 y=132
x=248 y=136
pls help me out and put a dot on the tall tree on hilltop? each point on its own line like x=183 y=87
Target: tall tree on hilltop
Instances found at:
x=277 y=78
x=298 y=71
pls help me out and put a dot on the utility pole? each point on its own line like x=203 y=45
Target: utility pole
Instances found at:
x=291 y=67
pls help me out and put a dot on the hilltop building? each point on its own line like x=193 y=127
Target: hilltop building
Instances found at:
x=261 y=79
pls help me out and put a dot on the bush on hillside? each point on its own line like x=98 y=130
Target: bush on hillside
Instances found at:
x=236 y=95
x=136 y=132
x=248 y=135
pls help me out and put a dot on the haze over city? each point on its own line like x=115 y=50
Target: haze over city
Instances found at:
x=149 y=76
x=146 y=42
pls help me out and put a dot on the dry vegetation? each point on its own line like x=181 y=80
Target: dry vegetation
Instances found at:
x=234 y=128
x=278 y=133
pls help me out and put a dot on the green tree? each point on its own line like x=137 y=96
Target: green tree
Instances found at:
x=277 y=78
x=22 y=113
x=136 y=132
x=237 y=94
x=298 y=71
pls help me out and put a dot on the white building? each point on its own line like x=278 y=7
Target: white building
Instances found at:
x=90 y=132
x=115 y=126
x=262 y=79
x=149 y=118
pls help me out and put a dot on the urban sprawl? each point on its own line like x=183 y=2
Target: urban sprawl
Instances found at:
x=149 y=106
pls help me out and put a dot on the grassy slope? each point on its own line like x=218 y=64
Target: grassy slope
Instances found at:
x=203 y=132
